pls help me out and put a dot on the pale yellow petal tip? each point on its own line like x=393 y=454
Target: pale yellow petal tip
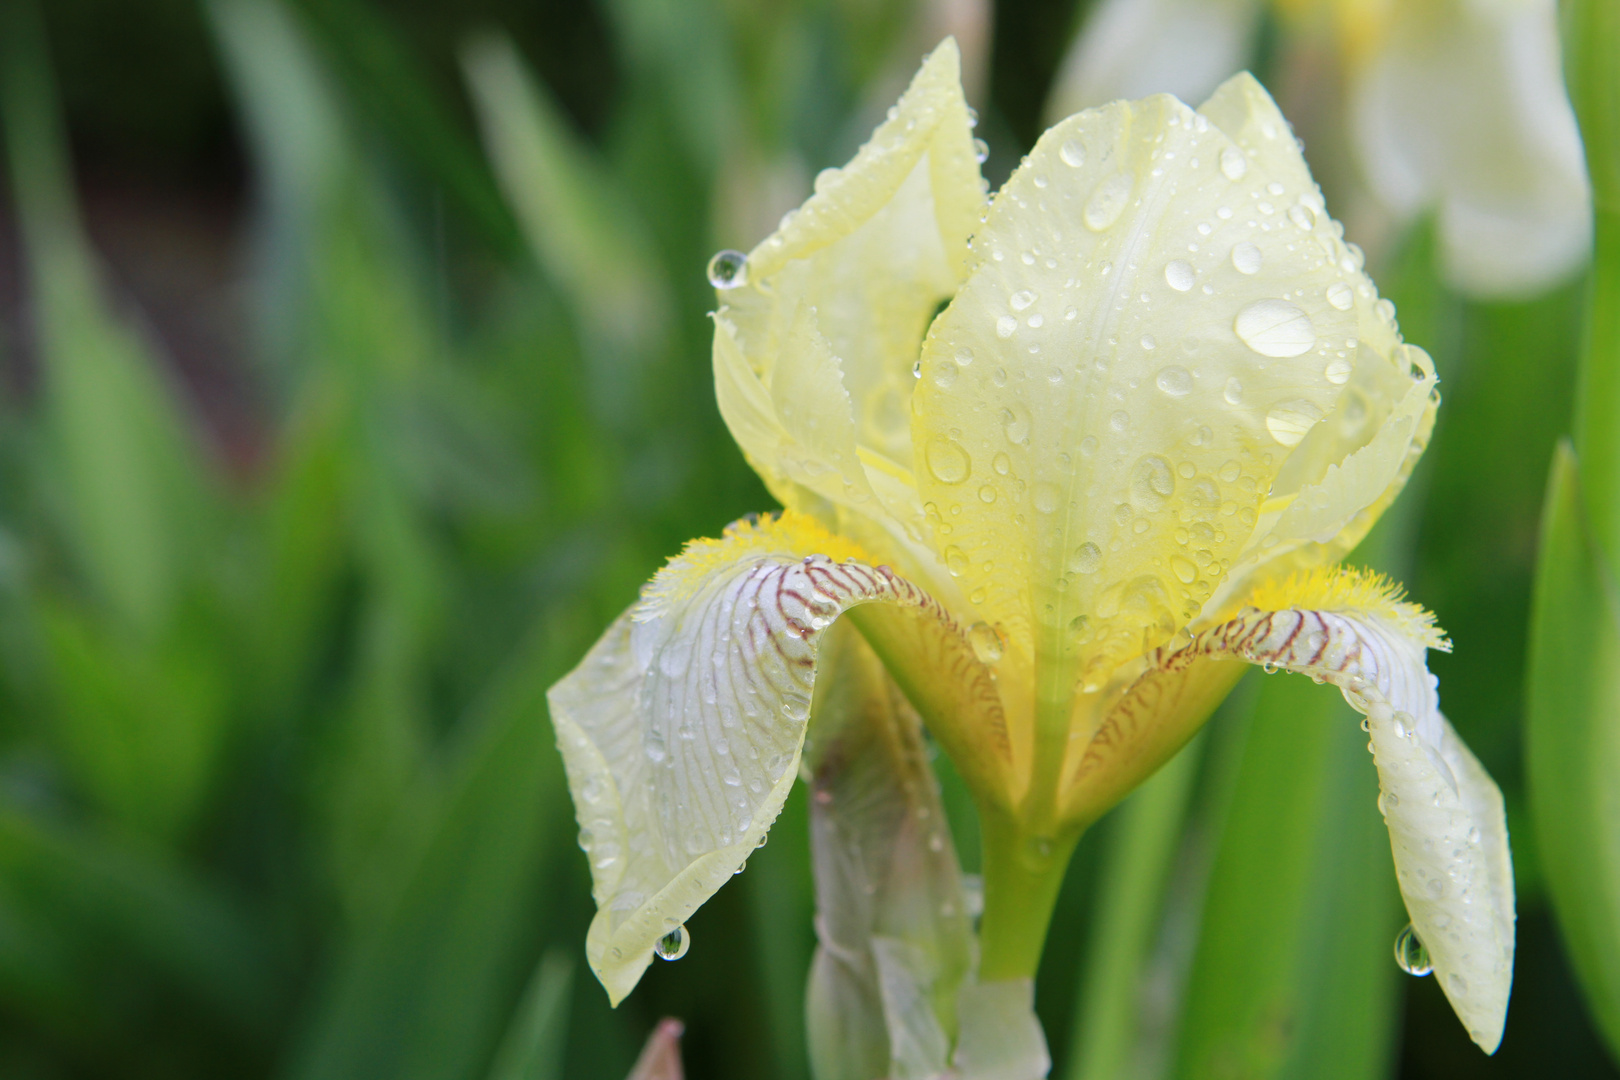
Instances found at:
x=1345 y=588
x=789 y=533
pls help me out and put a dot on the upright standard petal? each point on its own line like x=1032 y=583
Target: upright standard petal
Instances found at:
x=681 y=730
x=1493 y=145
x=814 y=353
x=1161 y=314
x=1445 y=816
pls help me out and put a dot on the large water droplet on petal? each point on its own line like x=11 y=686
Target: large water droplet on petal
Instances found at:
x=1107 y=202
x=1275 y=328
x=1152 y=483
x=947 y=460
x=1246 y=258
x=1289 y=421
x=1233 y=163
x=1411 y=954
x=728 y=269
x=1021 y=299
x=1341 y=295
x=1175 y=381
x=987 y=643
x=673 y=945
x=1086 y=559
x=1178 y=274
x=1073 y=154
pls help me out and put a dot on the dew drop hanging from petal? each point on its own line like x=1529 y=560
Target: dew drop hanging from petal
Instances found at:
x=1411 y=954
x=673 y=945
x=728 y=269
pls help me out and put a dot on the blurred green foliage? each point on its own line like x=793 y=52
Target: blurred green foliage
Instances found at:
x=277 y=789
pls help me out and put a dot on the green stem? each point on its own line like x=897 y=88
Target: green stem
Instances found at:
x=1023 y=871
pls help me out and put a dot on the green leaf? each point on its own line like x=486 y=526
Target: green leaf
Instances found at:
x=580 y=228
x=1572 y=740
x=121 y=466
x=418 y=989
x=396 y=94
x=532 y=1048
x=1293 y=975
x=81 y=915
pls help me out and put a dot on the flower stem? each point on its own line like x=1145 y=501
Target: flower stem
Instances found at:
x=1023 y=872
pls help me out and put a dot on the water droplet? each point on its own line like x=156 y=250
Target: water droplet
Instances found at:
x=1246 y=258
x=1107 y=202
x=1002 y=464
x=1233 y=163
x=987 y=493
x=1411 y=954
x=981 y=150
x=944 y=374
x=1072 y=154
x=1086 y=559
x=1015 y=423
x=728 y=269
x=986 y=642
x=964 y=357
x=1234 y=392
x=1179 y=275
x=1338 y=371
x=1275 y=328
x=1457 y=985
x=1021 y=299
x=1148 y=343
x=956 y=561
x=1175 y=381
x=1006 y=327
x=673 y=945
x=1341 y=295
x=1184 y=568
x=1289 y=421
x=1269 y=667
x=948 y=461
x=1303 y=216
x=1046 y=497
x=1152 y=483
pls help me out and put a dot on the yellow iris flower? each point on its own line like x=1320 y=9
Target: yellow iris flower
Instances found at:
x=1450 y=106
x=1160 y=401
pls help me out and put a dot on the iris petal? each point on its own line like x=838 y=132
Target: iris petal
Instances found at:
x=1447 y=827
x=682 y=728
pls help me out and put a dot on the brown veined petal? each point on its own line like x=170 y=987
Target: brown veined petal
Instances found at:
x=681 y=730
x=814 y=353
x=1446 y=822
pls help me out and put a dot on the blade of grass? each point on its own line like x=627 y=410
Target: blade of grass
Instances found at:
x=532 y=1048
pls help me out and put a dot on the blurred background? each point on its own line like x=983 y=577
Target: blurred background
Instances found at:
x=354 y=373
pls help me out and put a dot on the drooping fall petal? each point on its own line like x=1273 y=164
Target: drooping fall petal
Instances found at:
x=1445 y=815
x=681 y=730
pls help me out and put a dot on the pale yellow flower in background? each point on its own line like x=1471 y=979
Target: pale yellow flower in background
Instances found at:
x=1455 y=107
x=1161 y=401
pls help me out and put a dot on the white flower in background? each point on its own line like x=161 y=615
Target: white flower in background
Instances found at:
x=1454 y=106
